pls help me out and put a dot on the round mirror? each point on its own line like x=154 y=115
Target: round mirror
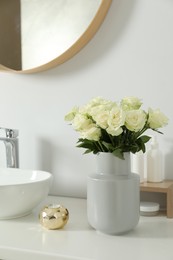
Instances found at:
x=40 y=34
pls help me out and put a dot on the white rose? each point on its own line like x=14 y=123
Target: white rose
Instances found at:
x=156 y=119
x=98 y=104
x=92 y=133
x=115 y=121
x=131 y=103
x=99 y=101
x=81 y=121
x=135 y=120
x=101 y=119
x=70 y=116
x=114 y=132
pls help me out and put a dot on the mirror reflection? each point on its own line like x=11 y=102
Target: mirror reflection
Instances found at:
x=50 y=27
x=39 y=31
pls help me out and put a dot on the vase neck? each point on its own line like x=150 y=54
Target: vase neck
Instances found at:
x=108 y=164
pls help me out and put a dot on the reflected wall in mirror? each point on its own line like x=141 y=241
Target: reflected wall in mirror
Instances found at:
x=10 y=34
x=41 y=34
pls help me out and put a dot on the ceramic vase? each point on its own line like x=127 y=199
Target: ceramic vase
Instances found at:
x=113 y=195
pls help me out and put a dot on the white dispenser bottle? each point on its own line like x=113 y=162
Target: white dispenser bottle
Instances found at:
x=154 y=162
x=137 y=164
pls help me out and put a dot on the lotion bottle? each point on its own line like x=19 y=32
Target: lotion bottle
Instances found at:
x=154 y=162
x=137 y=164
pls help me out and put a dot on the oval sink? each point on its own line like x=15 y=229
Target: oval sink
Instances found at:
x=21 y=191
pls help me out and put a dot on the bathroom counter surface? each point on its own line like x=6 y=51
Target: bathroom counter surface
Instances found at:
x=25 y=239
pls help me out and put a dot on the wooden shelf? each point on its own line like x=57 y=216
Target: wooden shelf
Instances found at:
x=162 y=187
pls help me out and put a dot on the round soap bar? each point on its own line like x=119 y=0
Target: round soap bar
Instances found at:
x=149 y=208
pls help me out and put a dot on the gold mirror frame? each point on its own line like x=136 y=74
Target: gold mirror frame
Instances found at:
x=75 y=48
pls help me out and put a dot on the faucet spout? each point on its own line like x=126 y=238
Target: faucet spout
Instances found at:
x=12 y=147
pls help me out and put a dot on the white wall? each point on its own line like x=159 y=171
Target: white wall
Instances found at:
x=131 y=54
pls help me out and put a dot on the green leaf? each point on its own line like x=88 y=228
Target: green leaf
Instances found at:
x=145 y=138
x=134 y=148
x=87 y=151
x=118 y=153
x=140 y=144
x=89 y=145
x=109 y=146
x=143 y=147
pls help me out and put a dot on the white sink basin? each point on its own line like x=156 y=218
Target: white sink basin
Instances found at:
x=21 y=191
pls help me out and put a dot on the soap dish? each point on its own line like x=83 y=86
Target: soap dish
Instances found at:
x=149 y=208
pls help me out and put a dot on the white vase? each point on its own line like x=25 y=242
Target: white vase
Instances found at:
x=113 y=195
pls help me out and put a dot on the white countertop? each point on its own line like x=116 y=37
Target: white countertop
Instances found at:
x=25 y=239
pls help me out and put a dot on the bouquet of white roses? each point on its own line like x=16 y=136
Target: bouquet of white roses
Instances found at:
x=107 y=126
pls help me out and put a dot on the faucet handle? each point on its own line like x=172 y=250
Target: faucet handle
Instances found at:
x=10 y=133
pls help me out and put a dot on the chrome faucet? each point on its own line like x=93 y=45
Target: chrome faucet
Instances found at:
x=12 y=148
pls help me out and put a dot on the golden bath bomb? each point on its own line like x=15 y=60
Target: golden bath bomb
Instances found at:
x=54 y=216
